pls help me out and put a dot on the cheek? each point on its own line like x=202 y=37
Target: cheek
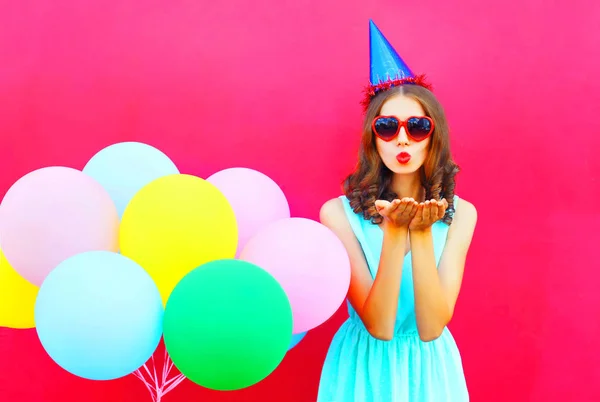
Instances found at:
x=423 y=148
x=380 y=147
x=386 y=150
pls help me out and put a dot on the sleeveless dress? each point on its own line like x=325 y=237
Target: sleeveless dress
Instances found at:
x=361 y=368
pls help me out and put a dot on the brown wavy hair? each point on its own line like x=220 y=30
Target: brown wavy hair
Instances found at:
x=371 y=179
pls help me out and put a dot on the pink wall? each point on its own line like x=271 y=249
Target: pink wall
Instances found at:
x=277 y=88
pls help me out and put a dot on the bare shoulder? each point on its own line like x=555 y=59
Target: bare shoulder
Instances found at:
x=332 y=213
x=334 y=217
x=465 y=213
x=463 y=223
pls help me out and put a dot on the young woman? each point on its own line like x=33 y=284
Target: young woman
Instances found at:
x=407 y=235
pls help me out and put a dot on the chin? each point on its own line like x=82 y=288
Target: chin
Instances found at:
x=408 y=168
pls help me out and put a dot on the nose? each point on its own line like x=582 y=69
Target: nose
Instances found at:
x=402 y=138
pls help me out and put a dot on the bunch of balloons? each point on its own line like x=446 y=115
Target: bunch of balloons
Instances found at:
x=107 y=260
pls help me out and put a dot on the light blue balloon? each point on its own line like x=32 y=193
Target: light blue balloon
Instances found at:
x=99 y=315
x=296 y=338
x=124 y=168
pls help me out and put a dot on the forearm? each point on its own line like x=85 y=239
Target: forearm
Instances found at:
x=431 y=308
x=380 y=307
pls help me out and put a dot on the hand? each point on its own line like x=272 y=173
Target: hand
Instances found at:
x=397 y=213
x=428 y=213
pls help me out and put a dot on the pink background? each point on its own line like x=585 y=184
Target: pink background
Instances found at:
x=277 y=88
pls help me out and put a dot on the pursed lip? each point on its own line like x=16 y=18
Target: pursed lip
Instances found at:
x=403 y=157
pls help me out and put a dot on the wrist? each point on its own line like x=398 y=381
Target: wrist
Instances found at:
x=420 y=232
x=393 y=230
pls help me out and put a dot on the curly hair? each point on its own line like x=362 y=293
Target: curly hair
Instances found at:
x=371 y=179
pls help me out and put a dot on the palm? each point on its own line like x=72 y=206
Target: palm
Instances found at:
x=398 y=213
x=428 y=213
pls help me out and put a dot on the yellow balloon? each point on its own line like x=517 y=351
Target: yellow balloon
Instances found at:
x=17 y=298
x=175 y=224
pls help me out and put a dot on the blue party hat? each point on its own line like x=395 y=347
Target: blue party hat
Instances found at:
x=386 y=63
x=387 y=68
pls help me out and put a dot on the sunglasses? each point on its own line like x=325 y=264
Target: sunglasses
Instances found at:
x=388 y=127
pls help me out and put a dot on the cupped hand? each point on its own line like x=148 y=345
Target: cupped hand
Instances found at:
x=397 y=213
x=427 y=214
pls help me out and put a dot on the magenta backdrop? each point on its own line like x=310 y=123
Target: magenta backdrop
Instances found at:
x=276 y=87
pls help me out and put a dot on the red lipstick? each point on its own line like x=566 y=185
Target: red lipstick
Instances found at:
x=403 y=157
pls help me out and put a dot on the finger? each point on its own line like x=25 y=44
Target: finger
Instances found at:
x=411 y=208
x=395 y=204
x=415 y=209
x=402 y=206
x=427 y=211
x=405 y=204
x=435 y=210
x=442 y=205
x=390 y=208
x=419 y=214
x=381 y=204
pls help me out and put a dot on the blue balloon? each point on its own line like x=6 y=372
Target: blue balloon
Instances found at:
x=124 y=168
x=296 y=338
x=99 y=315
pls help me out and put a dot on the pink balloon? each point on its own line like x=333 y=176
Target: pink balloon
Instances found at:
x=54 y=213
x=256 y=200
x=309 y=262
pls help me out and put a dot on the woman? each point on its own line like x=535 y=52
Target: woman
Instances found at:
x=407 y=235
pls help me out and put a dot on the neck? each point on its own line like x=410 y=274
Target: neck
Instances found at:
x=408 y=185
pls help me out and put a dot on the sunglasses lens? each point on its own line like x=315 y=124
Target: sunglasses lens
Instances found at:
x=386 y=127
x=419 y=127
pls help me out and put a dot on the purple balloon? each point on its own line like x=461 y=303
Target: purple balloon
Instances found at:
x=309 y=262
x=52 y=214
x=255 y=198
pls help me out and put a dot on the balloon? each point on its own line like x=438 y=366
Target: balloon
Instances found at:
x=54 y=213
x=17 y=298
x=256 y=200
x=309 y=261
x=175 y=224
x=228 y=325
x=99 y=315
x=124 y=168
x=296 y=338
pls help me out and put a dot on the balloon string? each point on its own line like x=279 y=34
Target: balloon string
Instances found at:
x=139 y=375
x=158 y=389
x=154 y=371
x=176 y=381
x=165 y=373
x=147 y=371
x=149 y=386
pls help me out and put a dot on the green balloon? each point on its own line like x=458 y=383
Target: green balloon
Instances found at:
x=227 y=325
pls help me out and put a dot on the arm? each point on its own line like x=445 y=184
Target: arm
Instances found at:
x=381 y=305
x=436 y=290
x=375 y=301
